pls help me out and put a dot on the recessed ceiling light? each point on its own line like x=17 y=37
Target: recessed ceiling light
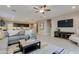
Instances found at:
x=8 y=6
x=73 y=7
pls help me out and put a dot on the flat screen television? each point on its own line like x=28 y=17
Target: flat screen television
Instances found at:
x=65 y=23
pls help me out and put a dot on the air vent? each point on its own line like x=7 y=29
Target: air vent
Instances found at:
x=13 y=10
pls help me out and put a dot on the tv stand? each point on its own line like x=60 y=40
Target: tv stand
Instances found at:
x=65 y=35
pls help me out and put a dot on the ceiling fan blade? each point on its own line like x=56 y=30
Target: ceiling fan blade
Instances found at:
x=36 y=11
x=36 y=8
x=47 y=10
x=43 y=13
x=44 y=6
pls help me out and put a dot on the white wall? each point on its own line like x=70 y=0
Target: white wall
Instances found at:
x=74 y=16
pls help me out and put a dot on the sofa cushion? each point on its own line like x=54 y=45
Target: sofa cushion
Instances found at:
x=13 y=32
x=22 y=32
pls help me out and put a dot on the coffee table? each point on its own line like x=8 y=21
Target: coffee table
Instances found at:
x=30 y=46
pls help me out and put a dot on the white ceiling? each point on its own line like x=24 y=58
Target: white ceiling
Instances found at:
x=26 y=12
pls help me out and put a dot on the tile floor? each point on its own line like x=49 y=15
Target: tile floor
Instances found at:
x=69 y=47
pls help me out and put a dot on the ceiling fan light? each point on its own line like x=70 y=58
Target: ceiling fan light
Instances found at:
x=41 y=11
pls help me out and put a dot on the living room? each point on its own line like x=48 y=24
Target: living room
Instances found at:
x=44 y=24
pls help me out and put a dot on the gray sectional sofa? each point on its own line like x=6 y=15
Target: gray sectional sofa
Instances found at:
x=10 y=39
x=20 y=35
x=15 y=38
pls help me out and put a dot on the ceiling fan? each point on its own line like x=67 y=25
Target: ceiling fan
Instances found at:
x=42 y=9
